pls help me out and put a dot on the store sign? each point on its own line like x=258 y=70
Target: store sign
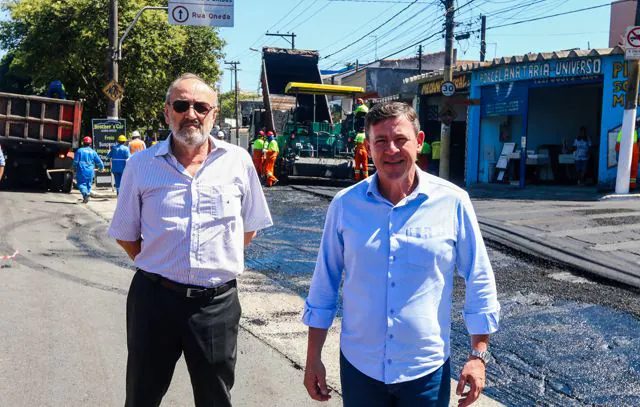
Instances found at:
x=541 y=70
x=105 y=135
x=211 y=13
x=504 y=99
x=434 y=87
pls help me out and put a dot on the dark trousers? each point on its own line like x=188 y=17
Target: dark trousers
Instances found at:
x=360 y=390
x=161 y=324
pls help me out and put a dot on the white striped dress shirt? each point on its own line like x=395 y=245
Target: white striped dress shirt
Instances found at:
x=192 y=227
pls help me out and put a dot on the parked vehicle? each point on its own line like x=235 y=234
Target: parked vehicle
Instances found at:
x=38 y=135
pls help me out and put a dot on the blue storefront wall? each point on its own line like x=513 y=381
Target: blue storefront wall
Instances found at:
x=517 y=80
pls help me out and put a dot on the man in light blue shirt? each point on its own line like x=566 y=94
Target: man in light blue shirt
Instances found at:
x=398 y=237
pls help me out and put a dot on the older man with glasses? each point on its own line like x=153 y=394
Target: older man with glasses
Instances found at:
x=186 y=210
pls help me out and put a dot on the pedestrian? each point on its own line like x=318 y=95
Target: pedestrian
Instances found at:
x=271 y=154
x=581 y=148
x=2 y=164
x=398 y=268
x=196 y=202
x=119 y=154
x=136 y=144
x=361 y=167
x=258 y=152
x=85 y=161
x=635 y=156
x=423 y=156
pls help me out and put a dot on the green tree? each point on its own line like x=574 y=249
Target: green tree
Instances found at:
x=67 y=40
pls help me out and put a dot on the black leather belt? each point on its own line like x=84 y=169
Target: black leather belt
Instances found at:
x=189 y=291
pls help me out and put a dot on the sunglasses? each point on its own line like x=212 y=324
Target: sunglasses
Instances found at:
x=181 y=106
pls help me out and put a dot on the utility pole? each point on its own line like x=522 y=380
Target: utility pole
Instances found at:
x=483 y=38
x=445 y=130
x=420 y=59
x=628 y=123
x=113 y=107
x=234 y=68
x=292 y=41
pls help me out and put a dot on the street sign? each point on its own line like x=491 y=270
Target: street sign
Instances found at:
x=448 y=88
x=113 y=90
x=632 y=43
x=210 y=13
x=447 y=114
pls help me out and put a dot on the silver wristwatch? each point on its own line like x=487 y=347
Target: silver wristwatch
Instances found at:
x=484 y=356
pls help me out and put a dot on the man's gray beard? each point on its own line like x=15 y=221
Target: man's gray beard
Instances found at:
x=189 y=137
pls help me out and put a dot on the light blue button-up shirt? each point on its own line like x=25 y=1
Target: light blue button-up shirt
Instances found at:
x=192 y=227
x=2 y=162
x=398 y=263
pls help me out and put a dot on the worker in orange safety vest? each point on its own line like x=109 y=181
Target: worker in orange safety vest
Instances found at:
x=361 y=167
x=258 y=153
x=635 y=154
x=272 y=151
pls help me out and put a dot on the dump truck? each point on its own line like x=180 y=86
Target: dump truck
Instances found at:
x=38 y=136
x=297 y=109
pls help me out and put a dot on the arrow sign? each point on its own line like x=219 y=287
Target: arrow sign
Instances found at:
x=211 y=13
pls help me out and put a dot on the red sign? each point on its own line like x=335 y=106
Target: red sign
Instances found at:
x=633 y=37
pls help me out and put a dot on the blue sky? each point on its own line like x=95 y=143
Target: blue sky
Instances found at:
x=329 y=25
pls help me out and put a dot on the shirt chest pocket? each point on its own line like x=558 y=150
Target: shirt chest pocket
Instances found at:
x=221 y=201
x=427 y=245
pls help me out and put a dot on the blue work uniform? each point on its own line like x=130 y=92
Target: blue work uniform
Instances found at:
x=85 y=162
x=119 y=155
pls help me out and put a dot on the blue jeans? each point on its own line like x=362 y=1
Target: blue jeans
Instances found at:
x=359 y=390
x=117 y=176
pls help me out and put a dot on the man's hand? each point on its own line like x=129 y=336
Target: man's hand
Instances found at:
x=473 y=374
x=315 y=379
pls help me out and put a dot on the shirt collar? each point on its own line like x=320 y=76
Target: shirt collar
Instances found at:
x=424 y=186
x=164 y=147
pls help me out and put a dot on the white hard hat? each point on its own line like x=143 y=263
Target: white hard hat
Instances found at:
x=220 y=135
x=135 y=134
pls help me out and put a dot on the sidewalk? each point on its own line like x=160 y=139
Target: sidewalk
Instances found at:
x=272 y=313
x=595 y=233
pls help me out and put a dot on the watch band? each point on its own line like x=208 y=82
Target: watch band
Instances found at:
x=484 y=356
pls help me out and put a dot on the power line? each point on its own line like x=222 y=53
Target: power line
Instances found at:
x=372 y=31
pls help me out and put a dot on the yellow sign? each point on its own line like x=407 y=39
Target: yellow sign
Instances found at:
x=434 y=87
x=113 y=90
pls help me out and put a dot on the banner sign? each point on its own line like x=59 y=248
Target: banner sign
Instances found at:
x=540 y=70
x=105 y=135
x=504 y=99
x=434 y=87
x=211 y=13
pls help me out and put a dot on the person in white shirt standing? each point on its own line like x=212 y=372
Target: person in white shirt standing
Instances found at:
x=187 y=207
x=399 y=237
x=581 y=154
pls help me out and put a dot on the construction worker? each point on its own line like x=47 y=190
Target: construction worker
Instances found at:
x=272 y=151
x=359 y=112
x=119 y=154
x=136 y=144
x=635 y=154
x=56 y=90
x=258 y=152
x=85 y=162
x=361 y=168
x=423 y=156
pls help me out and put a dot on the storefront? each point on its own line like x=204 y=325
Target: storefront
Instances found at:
x=432 y=106
x=533 y=108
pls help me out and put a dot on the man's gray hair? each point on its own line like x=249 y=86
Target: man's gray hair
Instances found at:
x=391 y=110
x=184 y=77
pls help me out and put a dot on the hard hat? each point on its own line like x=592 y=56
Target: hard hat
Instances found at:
x=270 y=133
x=153 y=143
x=220 y=135
x=122 y=139
x=135 y=134
x=86 y=140
x=359 y=101
x=261 y=133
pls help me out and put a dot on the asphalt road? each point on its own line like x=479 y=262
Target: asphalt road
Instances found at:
x=62 y=317
x=566 y=339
